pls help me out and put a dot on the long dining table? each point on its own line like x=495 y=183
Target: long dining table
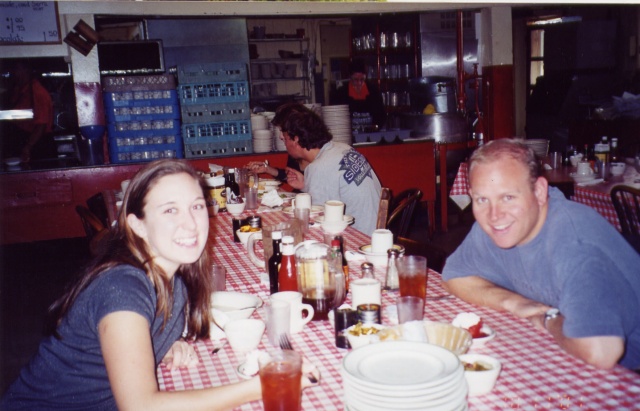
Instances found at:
x=536 y=374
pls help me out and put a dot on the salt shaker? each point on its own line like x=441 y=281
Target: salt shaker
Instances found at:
x=392 y=282
x=367 y=270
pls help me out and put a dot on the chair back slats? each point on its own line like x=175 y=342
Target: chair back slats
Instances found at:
x=403 y=207
x=626 y=201
x=93 y=227
x=383 y=208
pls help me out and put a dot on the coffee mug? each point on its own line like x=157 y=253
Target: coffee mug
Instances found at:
x=381 y=241
x=297 y=309
x=584 y=168
x=333 y=211
x=365 y=291
x=292 y=227
x=617 y=169
x=302 y=200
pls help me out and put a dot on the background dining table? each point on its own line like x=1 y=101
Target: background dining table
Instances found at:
x=536 y=374
x=596 y=196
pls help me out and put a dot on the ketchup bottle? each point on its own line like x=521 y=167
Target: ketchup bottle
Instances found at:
x=287 y=275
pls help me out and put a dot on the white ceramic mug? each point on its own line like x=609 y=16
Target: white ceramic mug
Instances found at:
x=584 y=168
x=381 y=240
x=297 y=308
x=617 y=169
x=333 y=211
x=365 y=291
x=302 y=200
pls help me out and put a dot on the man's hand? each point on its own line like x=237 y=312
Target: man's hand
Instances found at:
x=295 y=178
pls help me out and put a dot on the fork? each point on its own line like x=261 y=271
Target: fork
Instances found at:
x=285 y=344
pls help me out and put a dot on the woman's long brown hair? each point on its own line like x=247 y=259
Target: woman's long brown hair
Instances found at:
x=123 y=246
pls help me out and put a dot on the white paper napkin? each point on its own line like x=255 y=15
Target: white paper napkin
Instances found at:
x=272 y=199
x=353 y=256
x=214 y=168
x=461 y=200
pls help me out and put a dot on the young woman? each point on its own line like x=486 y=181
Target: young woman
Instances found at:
x=145 y=294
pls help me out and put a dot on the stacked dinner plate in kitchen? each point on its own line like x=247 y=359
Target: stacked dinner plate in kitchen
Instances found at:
x=403 y=376
x=338 y=121
x=262 y=134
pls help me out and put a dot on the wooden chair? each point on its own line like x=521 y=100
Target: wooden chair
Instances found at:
x=403 y=206
x=98 y=207
x=435 y=256
x=93 y=227
x=383 y=208
x=626 y=201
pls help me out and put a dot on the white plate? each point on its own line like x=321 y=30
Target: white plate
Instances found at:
x=448 y=401
x=582 y=178
x=400 y=365
x=12 y=161
x=345 y=218
x=315 y=209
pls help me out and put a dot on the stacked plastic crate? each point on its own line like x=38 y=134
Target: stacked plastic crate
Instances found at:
x=214 y=102
x=143 y=118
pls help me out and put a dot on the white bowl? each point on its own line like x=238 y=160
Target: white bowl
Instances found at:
x=481 y=382
x=232 y=305
x=244 y=236
x=235 y=209
x=244 y=335
x=12 y=161
x=357 y=341
x=481 y=341
x=378 y=259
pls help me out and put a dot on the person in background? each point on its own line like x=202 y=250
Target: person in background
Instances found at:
x=557 y=263
x=363 y=97
x=27 y=137
x=335 y=171
x=141 y=301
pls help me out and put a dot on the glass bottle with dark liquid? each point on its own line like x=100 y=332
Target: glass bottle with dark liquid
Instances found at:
x=274 y=262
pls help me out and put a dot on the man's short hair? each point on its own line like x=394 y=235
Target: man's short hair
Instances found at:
x=298 y=121
x=497 y=150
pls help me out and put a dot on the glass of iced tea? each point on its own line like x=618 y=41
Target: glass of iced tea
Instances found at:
x=280 y=377
x=412 y=273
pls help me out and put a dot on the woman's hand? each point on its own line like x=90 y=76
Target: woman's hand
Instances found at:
x=181 y=354
x=295 y=178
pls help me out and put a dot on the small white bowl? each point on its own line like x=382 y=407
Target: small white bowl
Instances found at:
x=235 y=209
x=378 y=259
x=481 y=382
x=244 y=236
x=357 y=341
x=12 y=161
x=481 y=341
x=231 y=305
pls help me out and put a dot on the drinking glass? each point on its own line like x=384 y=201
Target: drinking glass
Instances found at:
x=412 y=274
x=280 y=377
x=410 y=308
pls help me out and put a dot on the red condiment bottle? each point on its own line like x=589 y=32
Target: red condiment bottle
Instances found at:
x=287 y=275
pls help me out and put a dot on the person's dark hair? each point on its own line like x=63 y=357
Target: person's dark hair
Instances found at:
x=511 y=148
x=123 y=246
x=298 y=121
x=357 y=66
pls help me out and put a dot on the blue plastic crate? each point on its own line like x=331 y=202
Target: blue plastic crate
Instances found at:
x=133 y=129
x=142 y=149
x=131 y=83
x=225 y=148
x=217 y=131
x=143 y=98
x=143 y=113
x=214 y=92
x=212 y=72
x=200 y=113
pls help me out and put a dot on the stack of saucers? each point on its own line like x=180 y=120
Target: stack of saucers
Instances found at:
x=403 y=375
x=338 y=121
x=539 y=146
x=262 y=134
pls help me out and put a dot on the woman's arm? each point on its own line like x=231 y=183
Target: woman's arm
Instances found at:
x=127 y=350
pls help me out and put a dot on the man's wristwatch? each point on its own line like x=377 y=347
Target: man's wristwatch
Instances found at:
x=550 y=315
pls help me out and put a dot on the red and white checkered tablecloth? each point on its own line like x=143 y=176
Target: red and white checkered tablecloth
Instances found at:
x=461 y=182
x=536 y=373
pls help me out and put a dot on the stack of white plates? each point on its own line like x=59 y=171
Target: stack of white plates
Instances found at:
x=338 y=121
x=539 y=146
x=262 y=134
x=403 y=375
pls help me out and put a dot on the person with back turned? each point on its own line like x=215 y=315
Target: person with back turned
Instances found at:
x=552 y=261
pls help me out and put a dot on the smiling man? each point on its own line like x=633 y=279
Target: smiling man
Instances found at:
x=544 y=258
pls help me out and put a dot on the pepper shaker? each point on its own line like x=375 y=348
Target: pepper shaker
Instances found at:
x=392 y=282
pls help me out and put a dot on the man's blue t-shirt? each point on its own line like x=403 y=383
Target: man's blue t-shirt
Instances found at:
x=578 y=263
x=69 y=373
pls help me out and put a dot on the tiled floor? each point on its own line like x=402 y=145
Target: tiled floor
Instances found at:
x=33 y=275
